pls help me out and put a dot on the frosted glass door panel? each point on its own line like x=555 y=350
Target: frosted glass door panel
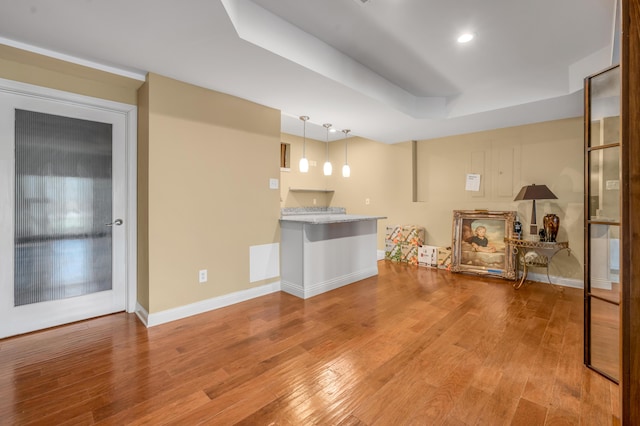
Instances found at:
x=63 y=199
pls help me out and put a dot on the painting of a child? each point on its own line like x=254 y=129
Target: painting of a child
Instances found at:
x=479 y=242
x=483 y=243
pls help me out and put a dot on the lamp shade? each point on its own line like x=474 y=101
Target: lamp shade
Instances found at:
x=346 y=170
x=304 y=165
x=535 y=192
x=327 y=169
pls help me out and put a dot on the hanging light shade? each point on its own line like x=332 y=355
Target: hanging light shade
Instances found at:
x=346 y=170
x=304 y=163
x=328 y=169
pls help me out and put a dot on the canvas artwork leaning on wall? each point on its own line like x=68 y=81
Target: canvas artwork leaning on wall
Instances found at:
x=478 y=244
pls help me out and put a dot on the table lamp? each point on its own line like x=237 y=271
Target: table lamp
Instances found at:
x=535 y=192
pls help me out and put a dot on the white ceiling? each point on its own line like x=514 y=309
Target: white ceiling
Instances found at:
x=390 y=70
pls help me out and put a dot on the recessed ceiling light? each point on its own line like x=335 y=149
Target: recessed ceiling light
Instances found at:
x=465 y=38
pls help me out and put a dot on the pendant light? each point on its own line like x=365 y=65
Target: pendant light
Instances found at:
x=346 y=170
x=304 y=163
x=327 y=165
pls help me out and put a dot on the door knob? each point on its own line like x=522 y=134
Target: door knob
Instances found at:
x=117 y=222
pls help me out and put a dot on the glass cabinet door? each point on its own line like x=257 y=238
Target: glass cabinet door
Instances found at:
x=602 y=223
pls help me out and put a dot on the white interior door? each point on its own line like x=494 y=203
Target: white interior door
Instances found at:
x=62 y=212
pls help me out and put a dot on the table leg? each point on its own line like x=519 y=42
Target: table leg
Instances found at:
x=525 y=270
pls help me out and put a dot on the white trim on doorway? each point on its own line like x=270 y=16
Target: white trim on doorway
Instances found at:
x=130 y=112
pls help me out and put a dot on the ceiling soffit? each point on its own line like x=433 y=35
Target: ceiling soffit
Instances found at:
x=265 y=29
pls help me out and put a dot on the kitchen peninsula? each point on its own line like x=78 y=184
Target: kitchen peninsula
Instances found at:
x=324 y=248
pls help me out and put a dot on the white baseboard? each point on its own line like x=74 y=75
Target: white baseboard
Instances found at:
x=142 y=314
x=294 y=289
x=600 y=283
x=566 y=282
x=180 y=312
x=150 y=320
x=322 y=287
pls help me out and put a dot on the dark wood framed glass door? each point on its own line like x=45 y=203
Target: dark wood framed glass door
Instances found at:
x=602 y=223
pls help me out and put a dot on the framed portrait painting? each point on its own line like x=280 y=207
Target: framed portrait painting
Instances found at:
x=478 y=245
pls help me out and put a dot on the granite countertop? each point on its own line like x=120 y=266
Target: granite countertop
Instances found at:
x=297 y=211
x=327 y=218
x=320 y=215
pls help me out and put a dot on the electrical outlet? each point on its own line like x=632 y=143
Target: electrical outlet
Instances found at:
x=367 y=201
x=202 y=276
x=314 y=201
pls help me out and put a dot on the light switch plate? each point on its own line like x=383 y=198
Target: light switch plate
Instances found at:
x=273 y=183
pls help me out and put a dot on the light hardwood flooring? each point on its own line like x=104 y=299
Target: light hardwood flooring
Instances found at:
x=412 y=346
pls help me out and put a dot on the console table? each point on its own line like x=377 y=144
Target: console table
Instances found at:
x=544 y=250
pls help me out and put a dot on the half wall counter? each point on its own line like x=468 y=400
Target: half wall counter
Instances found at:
x=325 y=248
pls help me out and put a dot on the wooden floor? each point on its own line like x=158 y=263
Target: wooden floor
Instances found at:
x=412 y=346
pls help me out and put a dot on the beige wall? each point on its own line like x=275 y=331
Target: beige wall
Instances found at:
x=143 y=198
x=210 y=157
x=205 y=159
x=314 y=179
x=28 y=67
x=548 y=153
x=31 y=68
x=204 y=163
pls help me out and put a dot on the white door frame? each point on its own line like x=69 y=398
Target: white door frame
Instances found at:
x=130 y=113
